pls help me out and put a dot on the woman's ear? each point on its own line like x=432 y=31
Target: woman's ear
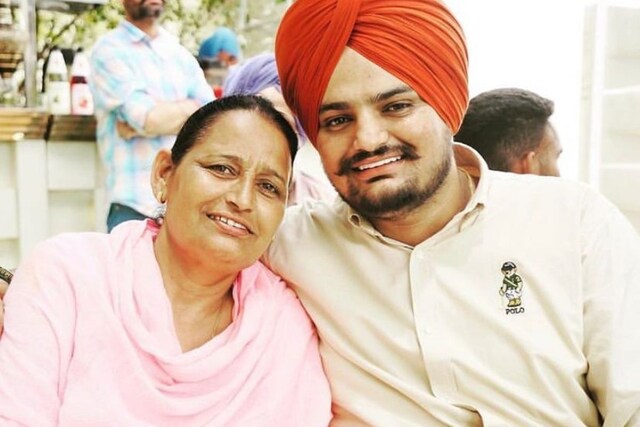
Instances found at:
x=160 y=174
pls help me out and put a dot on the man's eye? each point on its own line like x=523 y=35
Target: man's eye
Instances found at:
x=398 y=106
x=335 y=122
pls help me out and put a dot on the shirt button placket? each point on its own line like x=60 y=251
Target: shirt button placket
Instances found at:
x=424 y=293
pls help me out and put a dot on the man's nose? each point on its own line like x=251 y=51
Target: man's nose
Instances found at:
x=371 y=132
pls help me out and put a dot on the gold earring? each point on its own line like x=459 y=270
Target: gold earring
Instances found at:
x=161 y=196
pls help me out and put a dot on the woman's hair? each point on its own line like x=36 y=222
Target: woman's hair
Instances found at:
x=253 y=76
x=200 y=122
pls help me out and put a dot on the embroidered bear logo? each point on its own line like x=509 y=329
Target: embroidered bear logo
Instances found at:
x=511 y=288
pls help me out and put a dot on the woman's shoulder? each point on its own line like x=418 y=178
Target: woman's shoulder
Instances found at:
x=52 y=268
x=273 y=288
x=87 y=246
x=263 y=281
x=74 y=255
x=66 y=248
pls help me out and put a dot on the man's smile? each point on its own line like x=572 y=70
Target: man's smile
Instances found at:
x=378 y=163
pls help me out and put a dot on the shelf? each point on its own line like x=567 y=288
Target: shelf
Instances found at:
x=617 y=183
x=621 y=72
x=620 y=110
x=64 y=6
x=71 y=128
x=626 y=167
x=17 y=124
x=622 y=40
x=631 y=89
x=621 y=147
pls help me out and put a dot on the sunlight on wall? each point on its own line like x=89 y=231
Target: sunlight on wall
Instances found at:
x=532 y=44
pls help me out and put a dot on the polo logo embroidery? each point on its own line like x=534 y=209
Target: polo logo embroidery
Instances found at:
x=511 y=289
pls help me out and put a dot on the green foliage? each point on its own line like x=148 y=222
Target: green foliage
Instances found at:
x=190 y=24
x=193 y=24
x=75 y=30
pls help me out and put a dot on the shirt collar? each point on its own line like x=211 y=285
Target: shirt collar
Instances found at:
x=135 y=34
x=466 y=158
x=472 y=162
x=469 y=160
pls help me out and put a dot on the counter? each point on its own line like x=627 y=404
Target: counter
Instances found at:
x=51 y=179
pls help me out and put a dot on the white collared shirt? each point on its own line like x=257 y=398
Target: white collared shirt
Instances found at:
x=421 y=336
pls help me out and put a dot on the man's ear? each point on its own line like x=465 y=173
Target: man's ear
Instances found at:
x=160 y=173
x=527 y=164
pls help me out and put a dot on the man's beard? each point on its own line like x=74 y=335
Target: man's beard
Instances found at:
x=144 y=11
x=396 y=201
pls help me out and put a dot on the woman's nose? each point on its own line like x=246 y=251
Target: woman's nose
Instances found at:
x=241 y=195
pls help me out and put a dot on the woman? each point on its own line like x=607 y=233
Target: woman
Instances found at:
x=172 y=323
x=259 y=75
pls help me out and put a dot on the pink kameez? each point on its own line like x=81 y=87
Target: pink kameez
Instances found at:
x=89 y=341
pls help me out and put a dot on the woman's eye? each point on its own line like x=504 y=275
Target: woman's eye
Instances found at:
x=270 y=188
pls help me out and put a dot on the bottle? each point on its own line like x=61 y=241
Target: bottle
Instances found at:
x=81 y=98
x=6 y=17
x=56 y=84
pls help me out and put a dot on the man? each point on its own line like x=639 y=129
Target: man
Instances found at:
x=403 y=275
x=222 y=45
x=145 y=85
x=510 y=129
x=218 y=54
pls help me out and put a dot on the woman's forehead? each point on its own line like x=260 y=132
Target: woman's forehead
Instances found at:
x=245 y=135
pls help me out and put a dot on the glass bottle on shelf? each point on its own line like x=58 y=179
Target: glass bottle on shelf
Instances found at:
x=6 y=18
x=81 y=98
x=56 y=84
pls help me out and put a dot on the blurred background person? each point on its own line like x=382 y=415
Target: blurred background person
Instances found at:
x=217 y=55
x=510 y=128
x=172 y=322
x=258 y=75
x=145 y=85
x=222 y=45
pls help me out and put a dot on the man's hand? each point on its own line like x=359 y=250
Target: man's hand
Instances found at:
x=3 y=288
x=166 y=118
x=125 y=131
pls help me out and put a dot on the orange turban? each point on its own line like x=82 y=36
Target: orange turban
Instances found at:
x=418 y=41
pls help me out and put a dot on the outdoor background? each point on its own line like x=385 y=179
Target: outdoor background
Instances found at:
x=582 y=54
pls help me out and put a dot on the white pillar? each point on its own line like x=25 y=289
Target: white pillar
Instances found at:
x=31 y=185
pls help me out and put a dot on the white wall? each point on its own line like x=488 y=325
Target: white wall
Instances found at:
x=532 y=44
